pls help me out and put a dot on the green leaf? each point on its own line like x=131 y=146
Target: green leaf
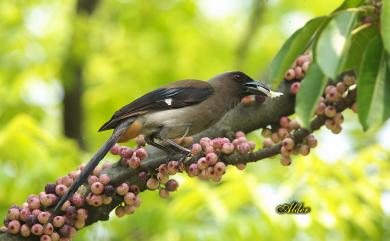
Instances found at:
x=350 y=4
x=333 y=42
x=309 y=93
x=292 y=48
x=359 y=43
x=373 y=90
x=385 y=24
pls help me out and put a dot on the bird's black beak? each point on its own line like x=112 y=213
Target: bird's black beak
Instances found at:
x=257 y=88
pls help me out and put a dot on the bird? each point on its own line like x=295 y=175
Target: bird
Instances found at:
x=181 y=108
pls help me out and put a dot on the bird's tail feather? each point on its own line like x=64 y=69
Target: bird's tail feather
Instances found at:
x=94 y=162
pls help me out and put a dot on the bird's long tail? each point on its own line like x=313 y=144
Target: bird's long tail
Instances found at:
x=94 y=162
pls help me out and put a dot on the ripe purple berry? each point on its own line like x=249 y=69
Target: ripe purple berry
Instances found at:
x=31 y=220
x=109 y=190
x=50 y=188
x=65 y=231
x=171 y=185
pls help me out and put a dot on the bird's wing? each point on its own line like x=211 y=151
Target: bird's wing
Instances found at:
x=178 y=95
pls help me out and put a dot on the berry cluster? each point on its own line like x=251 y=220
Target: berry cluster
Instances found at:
x=333 y=94
x=34 y=217
x=298 y=71
x=283 y=133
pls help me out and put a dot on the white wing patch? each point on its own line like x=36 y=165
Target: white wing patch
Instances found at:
x=168 y=101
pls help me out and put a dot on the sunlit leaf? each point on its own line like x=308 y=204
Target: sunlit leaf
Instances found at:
x=373 y=96
x=312 y=87
x=333 y=42
x=350 y=4
x=293 y=47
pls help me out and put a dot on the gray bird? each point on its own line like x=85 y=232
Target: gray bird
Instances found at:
x=182 y=108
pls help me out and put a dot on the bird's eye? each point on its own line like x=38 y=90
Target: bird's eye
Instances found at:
x=237 y=76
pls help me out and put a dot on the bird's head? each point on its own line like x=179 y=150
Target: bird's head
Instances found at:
x=245 y=85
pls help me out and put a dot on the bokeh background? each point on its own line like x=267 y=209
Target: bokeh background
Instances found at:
x=67 y=65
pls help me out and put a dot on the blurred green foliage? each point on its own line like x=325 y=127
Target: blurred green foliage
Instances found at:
x=128 y=47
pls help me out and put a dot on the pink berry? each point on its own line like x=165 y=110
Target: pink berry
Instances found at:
x=275 y=137
x=290 y=75
x=152 y=183
x=48 y=228
x=299 y=74
x=61 y=189
x=134 y=162
x=193 y=170
x=97 y=188
x=25 y=230
x=354 y=107
x=162 y=178
x=294 y=125
x=239 y=134
x=305 y=66
x=282 y=133
x=81 y=214
x=219 y=168
x=79 y=224
x=196 y=149
x=285 y=152
x=295 y=88
x=284 y=121
x=43 y=217
x=122 y=189
x=126 y=152
x=202 y=163
x=95 y=200
x=227 y=148
x=33 y=202
x=134 y=189
x=320 y=110
x=14 y=226
x=31 y=220
x=55 y=236
x=46 y=200
x=96 y=171
x=129 y=198
x=172 y=167
x=341 y=87
x=77 y=200
x=58 y=221
x=37 y=229
x=141 y=153
x=13 y=214
x=65 y=231
x=339 y=118
x=106 y=165
x=92 y=179
x=311 y=141
x=288 y=143
x=163 y=169
x=211 y=158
